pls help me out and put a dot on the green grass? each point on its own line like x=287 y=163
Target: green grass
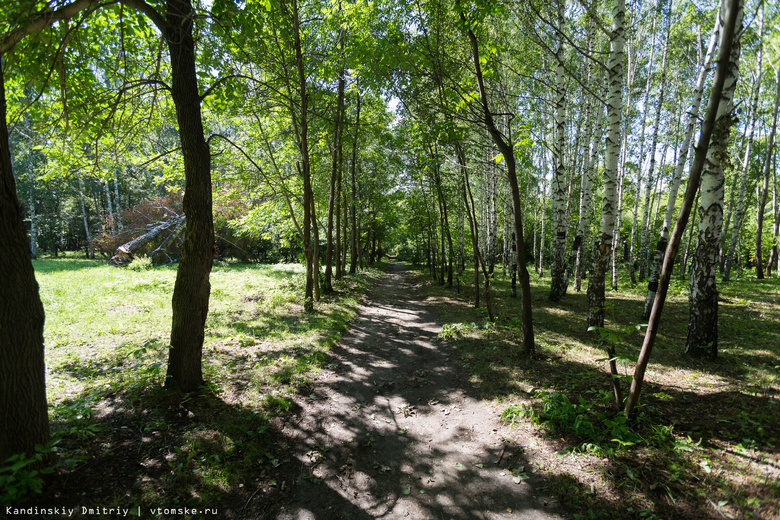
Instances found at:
x=706 y=439
x=124 y=439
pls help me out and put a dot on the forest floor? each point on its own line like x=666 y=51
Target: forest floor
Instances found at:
x=393 y=428
x=397 y=398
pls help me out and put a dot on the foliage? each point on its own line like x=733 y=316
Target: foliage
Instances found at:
x=582 y=418
x=22 y=476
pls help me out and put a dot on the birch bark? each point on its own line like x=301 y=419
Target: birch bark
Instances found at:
x=739 y=214
x=557 y=268
x=703 y=296
x=596 y=286
x=693 y=116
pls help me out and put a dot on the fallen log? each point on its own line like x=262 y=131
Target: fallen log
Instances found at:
x=124 y=253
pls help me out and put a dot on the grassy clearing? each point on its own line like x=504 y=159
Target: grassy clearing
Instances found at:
x=705 y=442
x=125 y=442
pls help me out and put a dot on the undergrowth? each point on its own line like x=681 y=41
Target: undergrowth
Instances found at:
x=704 y=440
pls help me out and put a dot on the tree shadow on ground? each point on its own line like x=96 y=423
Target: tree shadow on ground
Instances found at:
x=361 y=440
x=677 y=417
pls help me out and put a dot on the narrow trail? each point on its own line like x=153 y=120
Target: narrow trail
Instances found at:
x=393 y=429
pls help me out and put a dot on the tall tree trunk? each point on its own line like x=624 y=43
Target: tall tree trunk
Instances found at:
x=339 y=245
x=739 y=214
x=507 y=152
x=315 y=250
x=445 y=228
x=688 y=244
x=23 y=409
x=693 y=116
x=587 y=202
x=601 y=252
x=776 y=228
x=353 y=202
x=586 y=184
x=116 y=205
x=334 y=178
x=301 y=125
x=632 y=65
x=558 y=267
x=540 y=269
x=632 y=263
x=90 y=249
x=646 y=220
x=733 y=17
x=603 y=248
x=110 y=206
x=765 y=184
x=468 y=201
x=622 y=171
x=191 y=291
x=703 y=297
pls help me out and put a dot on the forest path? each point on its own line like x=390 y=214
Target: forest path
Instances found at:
x=393 y=429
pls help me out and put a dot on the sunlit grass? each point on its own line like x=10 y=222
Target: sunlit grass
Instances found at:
x=106 y=343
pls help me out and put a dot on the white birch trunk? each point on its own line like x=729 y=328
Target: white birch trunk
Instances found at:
x=739 y=214
x=622 y=168
x=90 y=250
x=116 y=203
x=765 y=185
x=651 y=169
x=110 y=207
x=558 y=231
x=596 y=295
x=703 y=296
x=587 y=199
x=586 y=179
x=640 y=160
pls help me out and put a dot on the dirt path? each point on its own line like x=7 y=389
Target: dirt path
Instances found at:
x=394 y=430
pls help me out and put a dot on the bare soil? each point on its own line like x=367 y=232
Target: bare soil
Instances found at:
x=393 y=428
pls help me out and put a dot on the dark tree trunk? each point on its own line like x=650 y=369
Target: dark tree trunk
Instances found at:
x=192 y=288
x=507 y=152
x=334 y=181
x=23 y=410
x=352 y=206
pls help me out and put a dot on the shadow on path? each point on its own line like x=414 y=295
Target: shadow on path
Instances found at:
x=394 y=430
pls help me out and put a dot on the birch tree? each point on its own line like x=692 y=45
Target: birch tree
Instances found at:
x=739 y=214
x=703 y=292
x=596 y=287
x=682 y=159
x=558 y=267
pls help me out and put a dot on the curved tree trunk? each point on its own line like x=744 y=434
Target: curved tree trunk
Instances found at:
x=191 y=290
x=507 y=152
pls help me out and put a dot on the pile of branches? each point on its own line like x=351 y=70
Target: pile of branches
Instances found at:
x=152 y=228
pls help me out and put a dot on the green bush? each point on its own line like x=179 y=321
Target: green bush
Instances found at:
x=19 y=478
x=141 y=263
